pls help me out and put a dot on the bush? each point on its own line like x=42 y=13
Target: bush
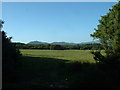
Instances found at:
x=10 y=57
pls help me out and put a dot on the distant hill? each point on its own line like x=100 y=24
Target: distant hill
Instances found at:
x=37 y=42
x=61 y=43
x=90 y=42
x=53 y=43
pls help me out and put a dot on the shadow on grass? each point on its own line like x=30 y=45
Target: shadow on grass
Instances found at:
x=41 y=72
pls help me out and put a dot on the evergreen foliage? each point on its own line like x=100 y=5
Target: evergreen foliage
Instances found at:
x=10 y=56
x=108 y=33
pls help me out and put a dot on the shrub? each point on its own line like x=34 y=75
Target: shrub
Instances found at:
x=10 y=56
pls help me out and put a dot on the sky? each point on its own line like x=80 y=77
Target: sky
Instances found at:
x=58 y=0
x=52 y=21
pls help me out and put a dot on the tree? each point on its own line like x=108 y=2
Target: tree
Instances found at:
x=1 y=24
x=56 y=47
x=10 y=56
x=108 y=33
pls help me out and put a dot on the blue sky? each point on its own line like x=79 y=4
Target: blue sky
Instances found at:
x=52 y=21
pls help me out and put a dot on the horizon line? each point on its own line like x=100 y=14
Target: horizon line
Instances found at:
x=55 y=41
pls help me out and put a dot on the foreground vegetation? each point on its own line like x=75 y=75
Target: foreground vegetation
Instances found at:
x=61 y=69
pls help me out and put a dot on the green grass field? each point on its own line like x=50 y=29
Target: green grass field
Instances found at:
x=50 y=68
x=71 y=55
x=56 y=69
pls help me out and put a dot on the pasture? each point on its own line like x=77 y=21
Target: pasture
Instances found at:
x=57 y=69
x=71 y=55
x=50 y=68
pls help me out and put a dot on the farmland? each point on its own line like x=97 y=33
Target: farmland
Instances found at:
x=56 y=69
x=59 y=69
x=71 y=55
x=50 y=68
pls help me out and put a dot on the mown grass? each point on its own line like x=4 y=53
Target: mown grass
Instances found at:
x=71 y=55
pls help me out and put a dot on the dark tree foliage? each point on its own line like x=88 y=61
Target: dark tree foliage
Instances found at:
x=94 y=46
x=10 y=57
x=56 y=47
x=91 y=46
x=108 y=33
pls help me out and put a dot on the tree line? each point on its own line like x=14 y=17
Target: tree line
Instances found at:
x=90 y=46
